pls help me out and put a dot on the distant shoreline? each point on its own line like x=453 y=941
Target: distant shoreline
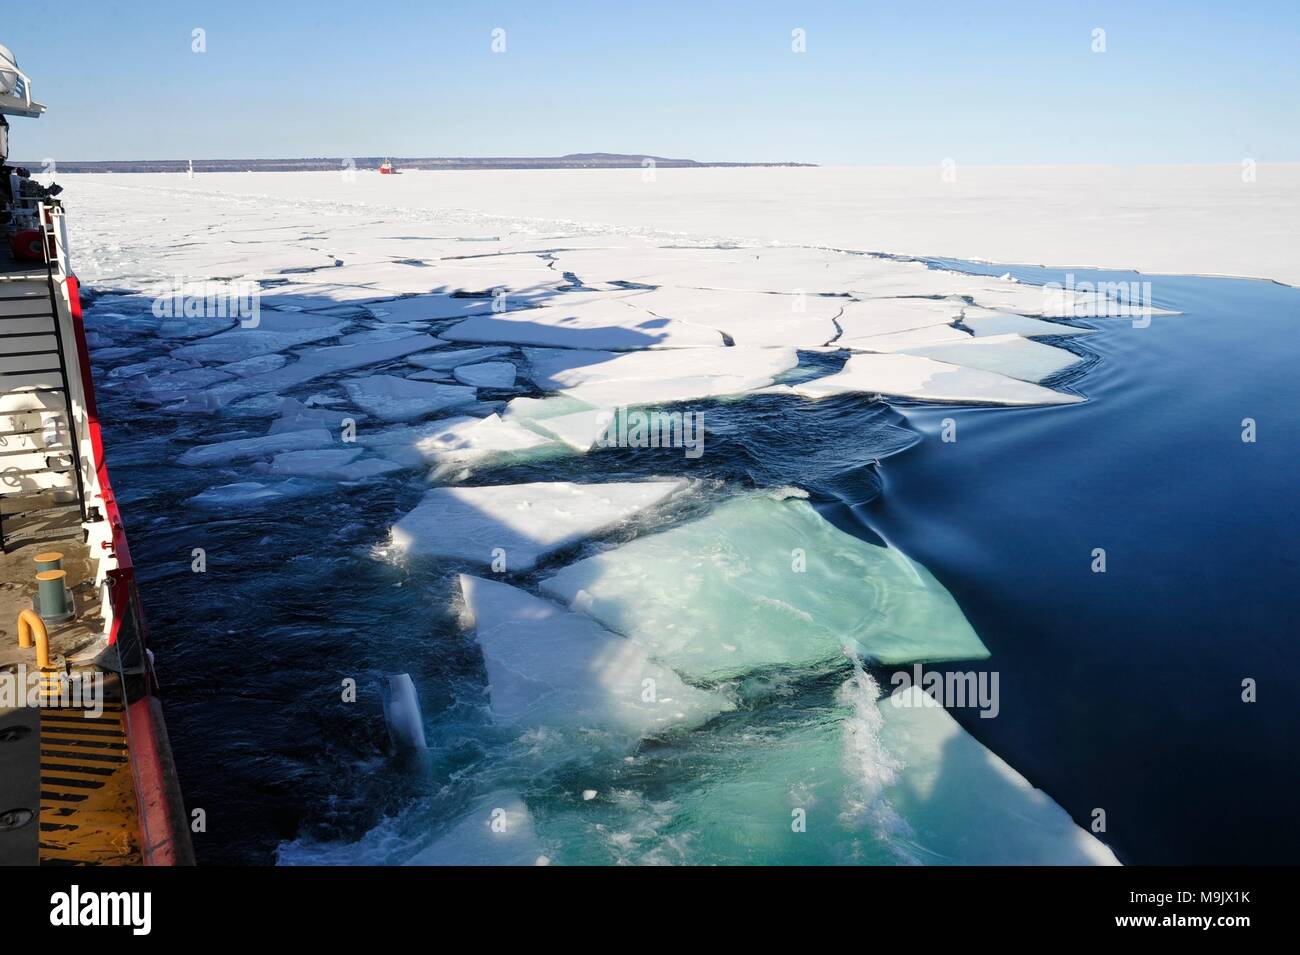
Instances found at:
x=333 y=164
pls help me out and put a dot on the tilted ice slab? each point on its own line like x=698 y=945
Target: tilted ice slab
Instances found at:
x=987 y=321
x=1008 y=355
x=450 y=358
x=764 y=582
x=523 y=522
x=488 y=374
x=549 y=667
x=451 y=444
x=254 y=493
x=498 y=830
x=874 y=783
x=225 y=452
x=399 y=399
x=964 y=804
x=611 y=324
x=912 y=376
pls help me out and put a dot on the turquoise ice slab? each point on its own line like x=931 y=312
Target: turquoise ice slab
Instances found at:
x=858 y=781
x=765 y=581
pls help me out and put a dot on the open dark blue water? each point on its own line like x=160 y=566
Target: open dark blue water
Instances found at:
x=1119 y=691
x=1123 y=690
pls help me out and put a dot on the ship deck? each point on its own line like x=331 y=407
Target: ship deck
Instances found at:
x=66 y=790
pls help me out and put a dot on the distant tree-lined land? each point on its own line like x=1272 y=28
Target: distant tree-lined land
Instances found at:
x=571 y=161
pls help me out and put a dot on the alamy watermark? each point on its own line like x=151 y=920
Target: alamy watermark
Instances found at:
x=623 y=428
x=1130 y=299
x=36 y=688
x=951 y=690
x=207 y=299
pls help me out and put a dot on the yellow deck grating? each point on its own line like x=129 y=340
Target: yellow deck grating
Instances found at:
x=88 y=808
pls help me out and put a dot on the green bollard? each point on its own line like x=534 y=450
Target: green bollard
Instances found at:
x=52 y=595
x=50 y=560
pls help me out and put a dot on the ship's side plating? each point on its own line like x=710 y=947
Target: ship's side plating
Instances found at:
x=85 y=778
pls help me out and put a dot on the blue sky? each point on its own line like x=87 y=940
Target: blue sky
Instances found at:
x=880 y=83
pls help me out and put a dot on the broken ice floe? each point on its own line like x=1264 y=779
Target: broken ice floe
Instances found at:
x=449 y=359
x=488 y=374
x=390 y=398
x=454 y=444
x=765 y=581
x=913 y=376
x=1008 y=355
x=224 y=452
x=512 y=527
x=550 y=667
x=313 y=364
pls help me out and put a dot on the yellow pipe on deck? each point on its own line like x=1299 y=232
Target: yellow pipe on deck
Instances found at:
x=29 y=625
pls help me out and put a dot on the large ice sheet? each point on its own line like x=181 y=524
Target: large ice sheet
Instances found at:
x=802 y=318
x=765 y=581
x=913 y=376
x=524 y=522
x=399 y=399
x=549 y=667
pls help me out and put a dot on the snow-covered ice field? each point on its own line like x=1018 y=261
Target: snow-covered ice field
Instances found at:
x=417 y=336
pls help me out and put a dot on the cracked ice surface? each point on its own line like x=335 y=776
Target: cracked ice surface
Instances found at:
x=520 y=523
x=359 y=294
x=721 y=596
